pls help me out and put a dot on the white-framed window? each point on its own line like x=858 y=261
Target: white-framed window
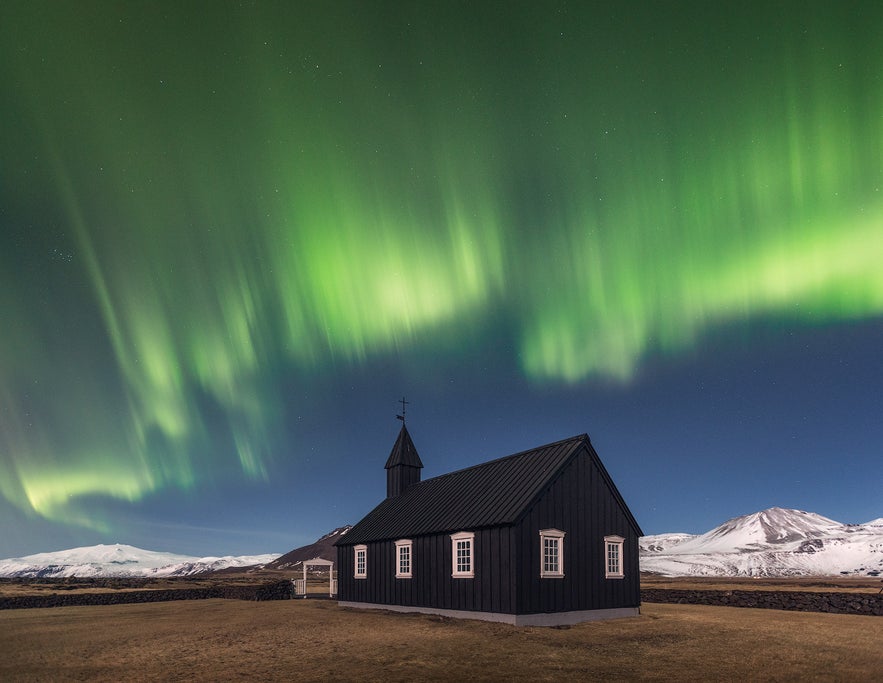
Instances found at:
x=463 y=555
x=404 y=558
x=613 y=557
x=360 y=562
x=551 y=553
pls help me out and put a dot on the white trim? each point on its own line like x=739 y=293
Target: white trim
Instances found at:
x=363 y=551
x=401 y=546
x=613 y=564
x=556 y=538
x=468 y=539
x=539 y=619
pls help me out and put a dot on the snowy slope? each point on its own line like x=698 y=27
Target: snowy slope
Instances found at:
x=662 y=542
x=119 y=560
x=774 y=542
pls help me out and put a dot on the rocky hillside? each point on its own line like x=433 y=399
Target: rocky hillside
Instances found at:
x=323 y=548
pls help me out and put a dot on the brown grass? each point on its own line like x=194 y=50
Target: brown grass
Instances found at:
x=313 y=640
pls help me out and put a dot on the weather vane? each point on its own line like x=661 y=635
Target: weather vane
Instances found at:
x=402 y=416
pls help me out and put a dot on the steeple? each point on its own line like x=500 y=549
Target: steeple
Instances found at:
x=403 y=465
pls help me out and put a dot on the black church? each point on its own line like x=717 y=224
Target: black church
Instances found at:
x=541 y=537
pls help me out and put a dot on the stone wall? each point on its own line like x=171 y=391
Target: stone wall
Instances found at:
x=801 y=601
x=277 y=590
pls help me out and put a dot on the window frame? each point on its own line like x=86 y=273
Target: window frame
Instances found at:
x=467 y=537
x=557 y=536
x=404 y=544
x=618 y=571
x=363 y=551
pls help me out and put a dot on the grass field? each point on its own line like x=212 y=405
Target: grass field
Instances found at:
x=315 y=640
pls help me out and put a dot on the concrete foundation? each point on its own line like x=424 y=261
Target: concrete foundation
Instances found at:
x=541 y=619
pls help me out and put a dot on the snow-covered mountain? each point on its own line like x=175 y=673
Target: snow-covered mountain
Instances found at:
x=119 y=561
x=774 y=542
x=323 y=548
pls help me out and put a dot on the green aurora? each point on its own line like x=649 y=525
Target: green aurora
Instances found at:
x=197 y=198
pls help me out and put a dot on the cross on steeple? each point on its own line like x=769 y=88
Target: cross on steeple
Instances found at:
x=404 y=403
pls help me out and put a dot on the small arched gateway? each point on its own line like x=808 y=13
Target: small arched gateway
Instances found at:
x=300 y=585
x=541 y=537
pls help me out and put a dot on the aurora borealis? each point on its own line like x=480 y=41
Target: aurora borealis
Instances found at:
x=233 y=234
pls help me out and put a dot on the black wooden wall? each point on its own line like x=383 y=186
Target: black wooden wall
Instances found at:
x=507 y=579
x=581 y=503
x=492 y=589
x=400 y=477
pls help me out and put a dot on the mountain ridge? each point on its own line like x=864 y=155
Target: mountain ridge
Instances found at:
x=120 y=560
x=772 y=542
x=323 y=548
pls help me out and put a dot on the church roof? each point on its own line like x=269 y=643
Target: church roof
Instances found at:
x=403 y=451
x=491 y=494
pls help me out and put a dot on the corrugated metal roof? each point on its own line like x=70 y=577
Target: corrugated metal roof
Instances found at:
x=490 y=494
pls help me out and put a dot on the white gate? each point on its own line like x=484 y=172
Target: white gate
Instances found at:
x=300 y=585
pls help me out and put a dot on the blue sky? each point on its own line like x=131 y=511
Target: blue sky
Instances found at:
x=234 y=236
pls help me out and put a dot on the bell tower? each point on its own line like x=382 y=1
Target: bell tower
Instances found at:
x=403 y=465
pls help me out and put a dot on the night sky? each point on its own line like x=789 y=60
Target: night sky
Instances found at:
x=233 y=235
